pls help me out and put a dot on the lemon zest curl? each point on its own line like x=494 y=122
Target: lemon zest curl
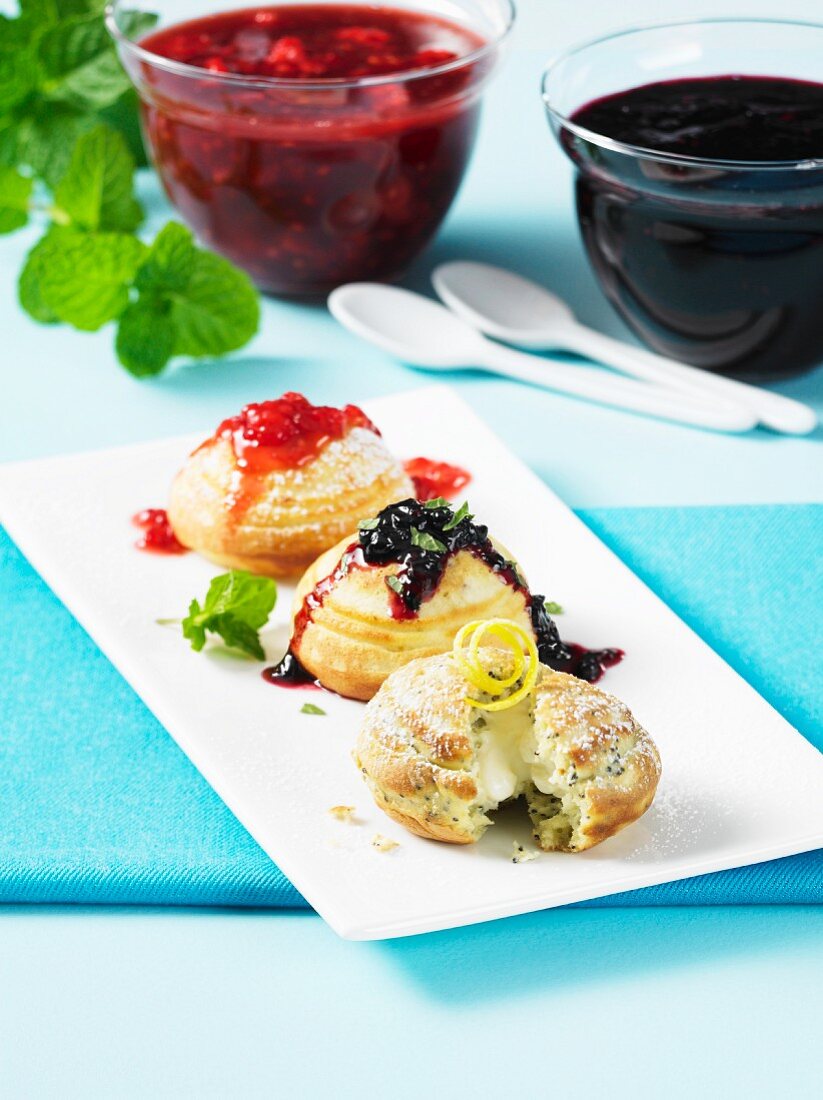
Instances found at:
x=515 y=639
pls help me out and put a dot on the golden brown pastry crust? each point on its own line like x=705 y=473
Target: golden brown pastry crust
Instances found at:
x=419 y=746
x=352 y=644
x=295 y=515
x=599 y=750
x=416 y=751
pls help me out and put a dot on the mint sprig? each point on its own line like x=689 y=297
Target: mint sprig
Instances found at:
x=236 y=606
x=189 y=302
x=61 y=164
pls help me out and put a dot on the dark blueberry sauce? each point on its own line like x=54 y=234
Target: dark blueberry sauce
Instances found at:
x=742 y=118
x=289 y=673
x=421 y=537
x=719 y=264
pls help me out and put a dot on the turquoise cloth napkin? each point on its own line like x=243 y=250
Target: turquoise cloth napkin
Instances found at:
x=97 y=803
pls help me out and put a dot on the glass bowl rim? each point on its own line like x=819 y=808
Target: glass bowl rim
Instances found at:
x=640 y=152
x=240 y=80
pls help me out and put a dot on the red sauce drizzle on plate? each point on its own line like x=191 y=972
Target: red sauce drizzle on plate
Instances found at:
x=433 y=479
x=158 y=536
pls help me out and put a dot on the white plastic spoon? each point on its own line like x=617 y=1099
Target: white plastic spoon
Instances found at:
x=518 y=311
x=425 y=334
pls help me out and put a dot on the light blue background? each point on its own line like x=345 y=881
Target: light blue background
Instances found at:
x=626 y=1003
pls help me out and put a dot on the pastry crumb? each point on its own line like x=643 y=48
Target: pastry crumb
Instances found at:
x=343 y=813
x=383 y=843
x=520 y=855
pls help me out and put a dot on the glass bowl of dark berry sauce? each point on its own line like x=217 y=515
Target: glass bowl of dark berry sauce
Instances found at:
x=311 y=143
x=699 y=156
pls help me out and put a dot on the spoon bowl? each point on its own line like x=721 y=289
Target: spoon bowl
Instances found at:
x=502 y=304
x=407 y=325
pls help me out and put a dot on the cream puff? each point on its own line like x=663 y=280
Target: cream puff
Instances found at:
x=439 y=763
x=401 y=588
x=281 y=482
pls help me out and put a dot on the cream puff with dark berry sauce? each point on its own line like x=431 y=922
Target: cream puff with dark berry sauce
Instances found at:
x=401 y=588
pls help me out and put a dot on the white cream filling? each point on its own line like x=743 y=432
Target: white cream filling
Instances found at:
x=505 y=751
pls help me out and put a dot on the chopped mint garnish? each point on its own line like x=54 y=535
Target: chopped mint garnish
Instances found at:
x=427 y=542
x=461 y=514
x=552 y=608
x=310 y=708
x=368 y=524
x=438 y=502
x=395 y=584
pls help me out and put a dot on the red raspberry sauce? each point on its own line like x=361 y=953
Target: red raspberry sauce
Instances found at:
x=281 y=435
x=436 y=479
x=310 y=186
x=157 y=537
x=310 y=42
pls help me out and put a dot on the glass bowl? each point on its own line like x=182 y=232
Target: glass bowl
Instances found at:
x=718 y=263
x=310 y=183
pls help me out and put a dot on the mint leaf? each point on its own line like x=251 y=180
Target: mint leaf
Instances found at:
x=218 y=311
x=28 y=284
x=43 y=140
x=236 y=606
x=79 y=63
x=438 y=502
x=194 y=626
x=52 y=11
x=237 y=635
x=214 y=308
x=368 y=524
x=84 y=279
x=461 y=514
x=17 y=76
x=15 y=195
x=310 y=708
x=552 y=608
x=166 y=268
x=97 y=189
x=426 y=541
x=395 y=584
x=124 y=116
x=145 y=337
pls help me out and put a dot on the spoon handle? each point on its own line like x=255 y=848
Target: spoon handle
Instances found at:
x=782 y=414
x=622 y=393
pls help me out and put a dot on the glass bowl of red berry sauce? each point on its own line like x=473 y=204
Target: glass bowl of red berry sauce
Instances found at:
x=311 y=143
x=699 y=156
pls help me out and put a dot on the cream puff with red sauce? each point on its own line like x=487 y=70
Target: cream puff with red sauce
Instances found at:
x=281 y=482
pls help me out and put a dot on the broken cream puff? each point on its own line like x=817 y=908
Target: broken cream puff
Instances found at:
x=447 y=739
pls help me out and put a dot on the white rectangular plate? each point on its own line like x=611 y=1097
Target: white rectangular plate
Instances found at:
x=725 y=751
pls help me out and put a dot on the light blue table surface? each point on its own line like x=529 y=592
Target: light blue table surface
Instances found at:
x=229 y=1004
